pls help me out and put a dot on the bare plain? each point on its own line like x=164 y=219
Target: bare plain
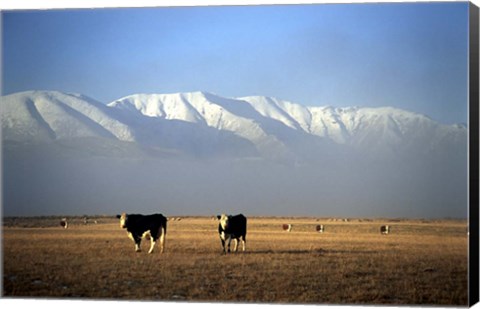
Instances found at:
x=419 y=262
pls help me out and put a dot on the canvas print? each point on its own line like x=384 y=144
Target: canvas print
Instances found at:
x=285 y=154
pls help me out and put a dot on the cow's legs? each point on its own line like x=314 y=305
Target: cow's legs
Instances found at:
x=236 y=244
x=243 y=243
x=136 y=240
x=229 y=241
x=137 y=246
x=154 y=237
x=222 y=240
x=223 y=244
x=152 y=245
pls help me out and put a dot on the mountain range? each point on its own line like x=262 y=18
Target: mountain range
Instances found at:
x=47 y=133
x=204 y=124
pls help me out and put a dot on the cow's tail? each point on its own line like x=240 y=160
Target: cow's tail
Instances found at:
x=163 y=234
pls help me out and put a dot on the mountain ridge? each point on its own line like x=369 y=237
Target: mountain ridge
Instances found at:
x=271 y=127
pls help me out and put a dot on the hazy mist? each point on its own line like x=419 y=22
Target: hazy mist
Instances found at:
x=48 y=182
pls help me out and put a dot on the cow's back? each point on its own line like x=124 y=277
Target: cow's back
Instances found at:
x=238 y=225
x=162 y=220
x=146 y=222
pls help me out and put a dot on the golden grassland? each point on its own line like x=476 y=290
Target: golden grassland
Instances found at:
x=420 y=262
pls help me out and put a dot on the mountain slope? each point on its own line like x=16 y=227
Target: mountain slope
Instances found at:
x=42 y=115
x=381 y=131
x=206 y=110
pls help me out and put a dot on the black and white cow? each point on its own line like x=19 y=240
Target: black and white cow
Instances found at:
x=385 y=229
x=232 y=227
x=145 y=226
x=320 y=228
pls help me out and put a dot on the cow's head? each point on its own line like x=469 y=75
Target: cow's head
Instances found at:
x=123 y=220
x=223 y=218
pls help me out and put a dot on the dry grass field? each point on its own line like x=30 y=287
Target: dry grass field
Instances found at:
x=420 y=262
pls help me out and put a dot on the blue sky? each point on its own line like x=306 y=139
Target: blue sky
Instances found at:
x=407 y=55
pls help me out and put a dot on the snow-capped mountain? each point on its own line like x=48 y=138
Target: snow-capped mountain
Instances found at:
x=287 y=129
x=201 y=123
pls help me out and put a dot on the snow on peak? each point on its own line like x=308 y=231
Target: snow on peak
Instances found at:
x=167 y=106
x=292 y=115
x=50 y=115
x=272 y=125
